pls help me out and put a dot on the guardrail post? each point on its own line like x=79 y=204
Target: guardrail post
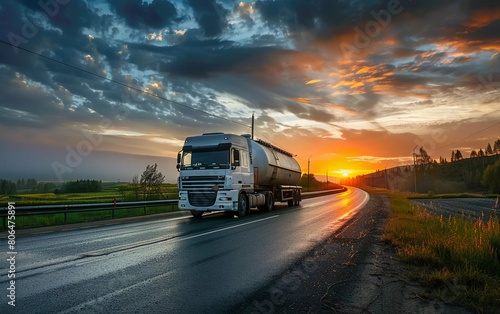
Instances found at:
x=113 y=212
x=144 y=210
x=65 y=217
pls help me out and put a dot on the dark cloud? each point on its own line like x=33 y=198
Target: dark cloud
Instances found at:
x=322 y=18
x=70 y=17
x=210 y=16
x=143 y=15
x=204 y=59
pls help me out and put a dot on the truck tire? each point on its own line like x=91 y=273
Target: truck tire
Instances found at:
x=242 y=205
x=293 y=201
x=196 y=214
x=296 y=198
x=269 y=205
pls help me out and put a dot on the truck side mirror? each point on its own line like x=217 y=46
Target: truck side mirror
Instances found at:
x=178 y=161
x=235 y=158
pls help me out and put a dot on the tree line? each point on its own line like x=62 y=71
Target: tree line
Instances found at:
x=478 y=173
x=488 y=151
x=80 y=186
x=473 y=174
x=8 y=187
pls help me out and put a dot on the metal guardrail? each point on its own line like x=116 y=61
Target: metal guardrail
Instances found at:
x=74 y=208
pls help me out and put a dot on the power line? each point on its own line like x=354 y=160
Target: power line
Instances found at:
x=122 y=84
x=455 y=142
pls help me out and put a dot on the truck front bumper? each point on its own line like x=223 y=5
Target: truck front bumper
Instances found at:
x=224 y=200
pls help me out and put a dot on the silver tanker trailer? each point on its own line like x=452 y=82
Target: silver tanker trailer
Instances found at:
x=232 y=173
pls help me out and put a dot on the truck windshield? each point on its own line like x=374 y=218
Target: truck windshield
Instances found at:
x=205 y=159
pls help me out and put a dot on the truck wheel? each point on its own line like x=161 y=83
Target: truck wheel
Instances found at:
x=242 y=205
x=293 y=201
x=296 y=198
x=269 y=202
x=196 y=214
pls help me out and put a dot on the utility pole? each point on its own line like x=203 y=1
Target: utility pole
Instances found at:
x=253 y=124
x=415 y=168
x=308 y=166
x=327 y=179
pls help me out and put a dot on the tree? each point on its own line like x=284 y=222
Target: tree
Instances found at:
x=458 y=155
x=452 y=156
x=489 y=150
x=480 y=153
x=423 y=158
x=7 y=187
x=473 y=154
x=491 y=177
x=151 y=181
x=136 y=186
x=496 y=147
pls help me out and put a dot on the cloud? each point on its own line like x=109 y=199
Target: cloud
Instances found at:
x=210 y=16
x=433 y=62
x=139 y=14
x=245 y=11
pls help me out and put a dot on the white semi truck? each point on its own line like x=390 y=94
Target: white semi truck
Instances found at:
x=233 y=173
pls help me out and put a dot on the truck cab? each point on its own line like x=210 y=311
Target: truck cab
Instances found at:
x=214 y=169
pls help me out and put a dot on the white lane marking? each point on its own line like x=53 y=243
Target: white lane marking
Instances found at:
x=84 y=305
x=365 y=200
x=128 y=246
x=226 y=228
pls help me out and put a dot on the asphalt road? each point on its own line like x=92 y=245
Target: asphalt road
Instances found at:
x=179 y=265
x=471 y=208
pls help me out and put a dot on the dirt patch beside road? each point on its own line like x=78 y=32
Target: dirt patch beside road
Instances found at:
x=354 y=271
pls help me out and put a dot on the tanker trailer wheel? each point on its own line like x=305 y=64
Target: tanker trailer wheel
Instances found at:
x=296 y=198
x=242 y=205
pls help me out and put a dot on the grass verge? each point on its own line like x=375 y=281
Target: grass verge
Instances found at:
x=457 y=260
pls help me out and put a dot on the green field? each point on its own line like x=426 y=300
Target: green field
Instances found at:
x=121 y=192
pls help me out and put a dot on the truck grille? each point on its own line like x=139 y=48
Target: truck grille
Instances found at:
x=202 y=199
x=202 y=190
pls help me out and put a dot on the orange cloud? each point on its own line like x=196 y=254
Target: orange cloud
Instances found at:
x=483 y=18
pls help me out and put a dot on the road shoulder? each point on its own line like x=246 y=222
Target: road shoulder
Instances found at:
x=353 y=271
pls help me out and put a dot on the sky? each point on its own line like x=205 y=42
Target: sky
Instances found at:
x=99 y=89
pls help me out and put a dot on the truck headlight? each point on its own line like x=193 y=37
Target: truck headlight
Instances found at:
x=225 y=198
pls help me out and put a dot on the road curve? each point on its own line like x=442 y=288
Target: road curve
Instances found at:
x=180 y=265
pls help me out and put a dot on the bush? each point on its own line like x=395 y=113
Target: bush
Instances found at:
x=491 y=177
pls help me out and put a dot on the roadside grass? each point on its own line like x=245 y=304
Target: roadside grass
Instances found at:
x=457 y=260
x=53 y=219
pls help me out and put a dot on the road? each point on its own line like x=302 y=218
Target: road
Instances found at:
x=180 y=265
x=471 y=208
